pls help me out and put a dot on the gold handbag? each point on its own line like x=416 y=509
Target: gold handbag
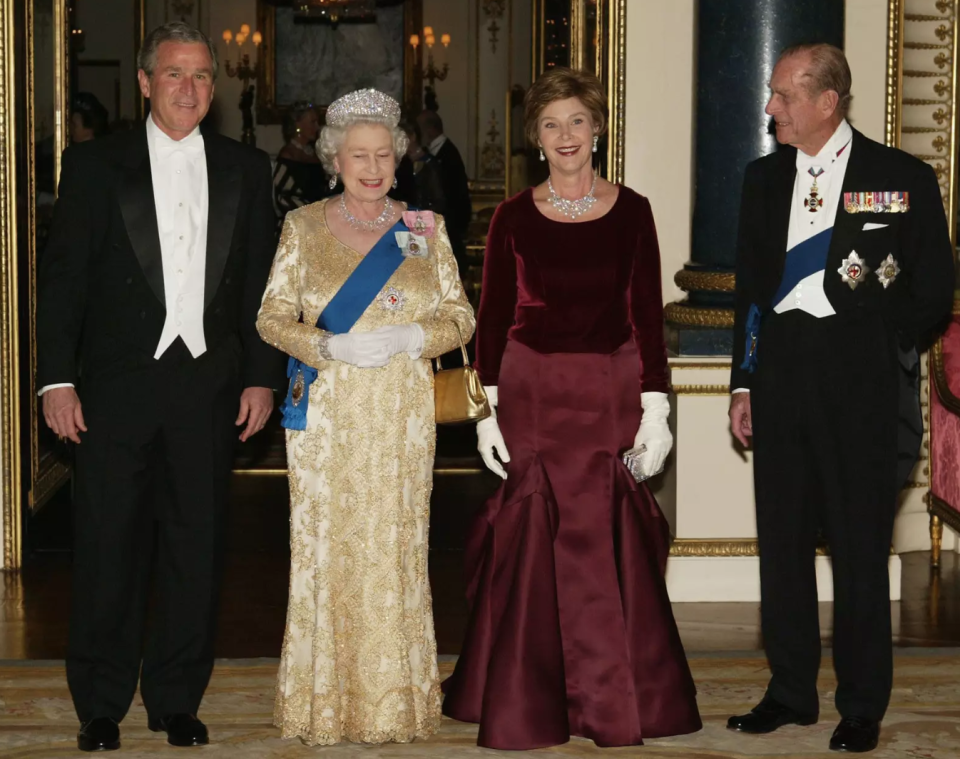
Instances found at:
x=458 y=395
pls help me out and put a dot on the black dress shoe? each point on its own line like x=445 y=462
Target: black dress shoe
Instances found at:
x=856 y=735
x=767 y=716
x=181 y=729
x=100 y=734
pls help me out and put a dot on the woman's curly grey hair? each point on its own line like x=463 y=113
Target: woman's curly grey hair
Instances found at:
x=332 y=137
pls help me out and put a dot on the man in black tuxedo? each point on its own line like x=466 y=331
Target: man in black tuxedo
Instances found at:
x=843 y=261
x=149 y=359
x=453 y=180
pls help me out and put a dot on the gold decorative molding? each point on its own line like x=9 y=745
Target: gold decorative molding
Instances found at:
x=10 y=484
x=617 y=90
x=492 y=157
x=721 y=547
x=713 y=281
x=701 y=390
x=691 y=316
x=672 y=363
x=494 y=11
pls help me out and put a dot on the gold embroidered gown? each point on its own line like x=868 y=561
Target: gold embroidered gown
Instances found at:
x=359 y=658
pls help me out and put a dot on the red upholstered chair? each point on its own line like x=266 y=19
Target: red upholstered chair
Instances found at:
x=944 y=463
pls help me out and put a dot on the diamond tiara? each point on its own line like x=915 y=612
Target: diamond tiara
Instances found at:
x=364 y=103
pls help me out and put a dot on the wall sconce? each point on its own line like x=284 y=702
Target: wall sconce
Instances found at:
x=245 y=72
x=431 y=73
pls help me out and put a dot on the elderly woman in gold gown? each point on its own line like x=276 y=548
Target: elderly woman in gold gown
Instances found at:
x=359 y=658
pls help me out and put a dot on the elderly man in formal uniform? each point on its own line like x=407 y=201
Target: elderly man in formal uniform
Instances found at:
x=843 y=261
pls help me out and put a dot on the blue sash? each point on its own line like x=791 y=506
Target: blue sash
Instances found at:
x=342 y=312
x=803 y=259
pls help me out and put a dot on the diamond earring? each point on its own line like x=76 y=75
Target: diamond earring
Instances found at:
x=333 y=182
x=394 y=183
x=596 y=139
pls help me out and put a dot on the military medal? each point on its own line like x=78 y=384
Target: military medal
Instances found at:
x=814 y=203
x=876 y=202
x=853 y=270
x=888 y=271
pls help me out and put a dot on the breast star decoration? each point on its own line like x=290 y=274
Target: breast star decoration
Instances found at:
x=888 y=271
x=853 y=270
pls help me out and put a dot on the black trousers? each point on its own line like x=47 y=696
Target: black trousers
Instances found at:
x=173 y=417
x=825 y=418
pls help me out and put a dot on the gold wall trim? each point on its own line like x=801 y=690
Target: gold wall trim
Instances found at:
x=701 y=390
x=713 y=281
x=725 y=547
x=10 y=321
x=690 y=316
x=698 y=364
x=617 y=91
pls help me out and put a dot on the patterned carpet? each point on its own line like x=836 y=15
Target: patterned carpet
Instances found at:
x=37 y=718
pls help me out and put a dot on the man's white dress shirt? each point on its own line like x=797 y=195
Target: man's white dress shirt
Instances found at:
x=434 y=147
x=179 y=170
x=808 y=295
x=181 y=197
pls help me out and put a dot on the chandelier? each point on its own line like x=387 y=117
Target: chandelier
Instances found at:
x=336 y=11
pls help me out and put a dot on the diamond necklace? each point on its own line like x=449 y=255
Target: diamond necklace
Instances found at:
x=572 y=208
x=382 y=221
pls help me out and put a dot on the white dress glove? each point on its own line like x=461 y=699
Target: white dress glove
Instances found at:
x=489 y=438
x=402 y=338
x=654 y=433
x=370 y=350
x=351 y=349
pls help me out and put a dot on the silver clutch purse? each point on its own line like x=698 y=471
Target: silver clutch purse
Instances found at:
x=631 y=460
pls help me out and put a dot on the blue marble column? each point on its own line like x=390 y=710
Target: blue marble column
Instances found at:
x=738 y=44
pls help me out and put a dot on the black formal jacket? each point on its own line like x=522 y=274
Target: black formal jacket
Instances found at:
x=456 y=191
x=920 y=296
x=101 y=295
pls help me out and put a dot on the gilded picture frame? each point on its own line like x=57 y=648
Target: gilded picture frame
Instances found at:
x=598 y=43
x=270 y=111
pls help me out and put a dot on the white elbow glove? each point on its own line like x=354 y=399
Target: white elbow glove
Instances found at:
x=654 y=433
x=489 y=438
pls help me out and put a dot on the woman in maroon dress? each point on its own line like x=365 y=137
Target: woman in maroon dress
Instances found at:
x=571 y=631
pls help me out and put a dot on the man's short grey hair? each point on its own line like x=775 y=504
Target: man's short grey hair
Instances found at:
x=175 y=31
x=332 y=137
x=829 y=70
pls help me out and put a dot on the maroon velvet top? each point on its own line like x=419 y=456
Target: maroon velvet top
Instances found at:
x=581 y=287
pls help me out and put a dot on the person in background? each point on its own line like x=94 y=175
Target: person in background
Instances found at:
x=424 y=173
x=453 y=180
x=298 y=177
x=88 y=118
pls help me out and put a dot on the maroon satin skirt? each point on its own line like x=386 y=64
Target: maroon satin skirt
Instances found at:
x=571 y=631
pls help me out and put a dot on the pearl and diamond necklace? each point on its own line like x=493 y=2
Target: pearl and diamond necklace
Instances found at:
x=384 y=220
x=573 y=208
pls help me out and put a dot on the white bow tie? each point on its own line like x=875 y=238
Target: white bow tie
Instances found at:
x=192 y=145
x=805 y=162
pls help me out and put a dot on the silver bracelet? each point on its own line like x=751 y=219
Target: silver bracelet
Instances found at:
x=323 y=346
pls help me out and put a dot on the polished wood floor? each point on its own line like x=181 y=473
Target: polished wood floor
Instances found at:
x=34 y=603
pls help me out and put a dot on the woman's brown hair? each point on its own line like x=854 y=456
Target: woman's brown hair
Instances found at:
x=559 y=84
